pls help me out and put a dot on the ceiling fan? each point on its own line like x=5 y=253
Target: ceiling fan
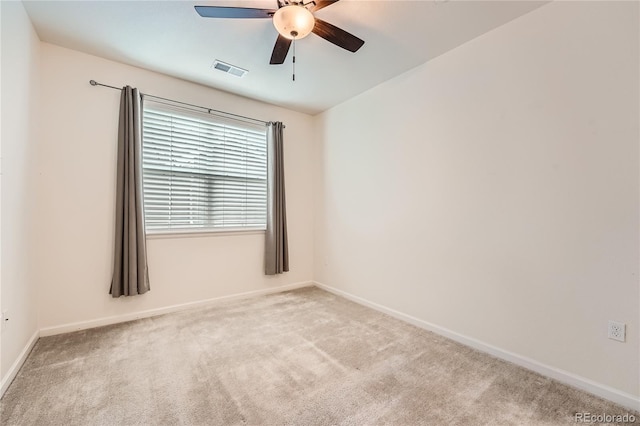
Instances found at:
x=293 y=20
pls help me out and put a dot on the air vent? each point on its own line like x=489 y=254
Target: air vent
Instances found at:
x=228 y=68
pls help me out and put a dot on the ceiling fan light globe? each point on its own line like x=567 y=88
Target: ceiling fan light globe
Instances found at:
x=293 y=21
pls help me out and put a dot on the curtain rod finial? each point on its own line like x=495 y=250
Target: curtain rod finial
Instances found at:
x=93 y=82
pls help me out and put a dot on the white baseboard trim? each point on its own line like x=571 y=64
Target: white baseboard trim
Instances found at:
x=624 y=399
x=15 y=367
x=84 y=325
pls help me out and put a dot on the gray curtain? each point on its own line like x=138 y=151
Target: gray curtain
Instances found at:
x=276 y=246
x=130 y=273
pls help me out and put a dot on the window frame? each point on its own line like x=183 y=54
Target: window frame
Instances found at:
x=198 y=232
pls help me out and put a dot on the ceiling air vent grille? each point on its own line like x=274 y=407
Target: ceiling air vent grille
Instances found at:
x=228 y=68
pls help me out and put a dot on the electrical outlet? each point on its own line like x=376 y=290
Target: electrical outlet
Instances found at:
x=617 y=330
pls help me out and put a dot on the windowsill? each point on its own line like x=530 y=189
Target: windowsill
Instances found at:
x=200 y=233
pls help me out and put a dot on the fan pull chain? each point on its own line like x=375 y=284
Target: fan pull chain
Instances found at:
x=294 y=58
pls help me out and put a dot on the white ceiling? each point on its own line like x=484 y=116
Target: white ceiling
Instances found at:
x=171 y=38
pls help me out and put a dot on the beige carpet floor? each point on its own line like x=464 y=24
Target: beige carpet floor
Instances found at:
x=304 y=357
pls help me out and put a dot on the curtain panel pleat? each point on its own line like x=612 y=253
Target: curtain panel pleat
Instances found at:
x=276 y=245
x=130 y=271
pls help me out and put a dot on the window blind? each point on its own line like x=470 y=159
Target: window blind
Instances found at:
x=202 y=172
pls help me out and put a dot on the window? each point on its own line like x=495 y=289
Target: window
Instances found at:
x=202 y=172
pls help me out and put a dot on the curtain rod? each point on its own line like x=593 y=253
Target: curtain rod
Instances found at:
x=210 y=110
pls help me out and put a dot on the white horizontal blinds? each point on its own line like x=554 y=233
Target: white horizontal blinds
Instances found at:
x=202 y=172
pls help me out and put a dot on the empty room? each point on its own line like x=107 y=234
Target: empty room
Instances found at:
x=354 y=212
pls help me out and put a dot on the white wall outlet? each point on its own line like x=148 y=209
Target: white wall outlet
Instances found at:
x=617 y=330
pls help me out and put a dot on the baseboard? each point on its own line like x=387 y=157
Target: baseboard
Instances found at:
x=15 y=367
x=626 y=400
x=84 y=325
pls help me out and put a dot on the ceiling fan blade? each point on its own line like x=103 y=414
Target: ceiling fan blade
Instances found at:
x=233 y=12
x=337 y=36
x=280 y=50
x=320 y=4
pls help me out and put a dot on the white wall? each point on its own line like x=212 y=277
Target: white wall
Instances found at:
x=76 y=178
x=20 y=79
x=494 y=190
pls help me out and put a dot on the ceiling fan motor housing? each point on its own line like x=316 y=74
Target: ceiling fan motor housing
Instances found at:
x=294 y=21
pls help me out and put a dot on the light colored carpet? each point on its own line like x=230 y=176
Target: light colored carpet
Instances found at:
x=304 y=357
